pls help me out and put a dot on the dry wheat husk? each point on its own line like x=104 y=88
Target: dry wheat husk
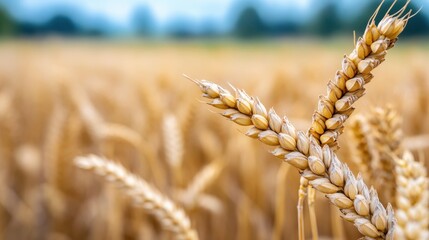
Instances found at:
x=170 y=216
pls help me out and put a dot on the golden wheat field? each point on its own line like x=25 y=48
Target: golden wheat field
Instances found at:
x=129 y=102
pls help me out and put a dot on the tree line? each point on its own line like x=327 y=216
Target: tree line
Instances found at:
x=249 y=24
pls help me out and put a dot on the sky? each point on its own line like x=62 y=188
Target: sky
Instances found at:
x=117 y=13
x=119 y=10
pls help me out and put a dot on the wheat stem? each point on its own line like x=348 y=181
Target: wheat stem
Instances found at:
x=302 y=192
x=312 y=212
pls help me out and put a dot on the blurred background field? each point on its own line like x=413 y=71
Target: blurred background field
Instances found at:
x=68 y=88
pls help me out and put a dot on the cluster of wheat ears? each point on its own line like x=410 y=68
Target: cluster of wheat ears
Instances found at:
x=68 y=106
x=383 y=162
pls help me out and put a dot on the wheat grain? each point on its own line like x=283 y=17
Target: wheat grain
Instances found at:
x=168 y=214
x=335 y=107
x=319 y=165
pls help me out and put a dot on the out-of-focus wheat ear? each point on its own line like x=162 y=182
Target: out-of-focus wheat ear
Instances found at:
x=281 y=188
x=9 y=126
x=412 y=198
x=319 y=165
x=173 y=146
x=90 y=117
x=302 y=193
x=202 y=180
x=52 y=142
x=99 y=129
x=209 y=203
x=364 y=152
x=334 y=108
x=171 y=217
x=387 y=134
x=101 y=132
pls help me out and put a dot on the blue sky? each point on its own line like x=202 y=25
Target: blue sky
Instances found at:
x=117 y=13
x=120 y=10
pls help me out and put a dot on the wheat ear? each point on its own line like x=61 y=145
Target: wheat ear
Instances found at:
x=387 y=133
x=168 y=214
x=202 y=180
x=347 y=87
x=412 y=198
x=173 y=141
x=320 y=165
x=173 y=146
x=364 y=147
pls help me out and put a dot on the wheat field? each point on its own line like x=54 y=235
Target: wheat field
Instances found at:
x=128 y=102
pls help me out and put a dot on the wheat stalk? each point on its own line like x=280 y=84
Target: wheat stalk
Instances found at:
x=347 y=87
x=412 y=198
x=312 y=212
x=168 y=214
x=319 y=165
x=302 y=193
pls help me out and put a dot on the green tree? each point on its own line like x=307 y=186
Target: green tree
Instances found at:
x=61 y=24
x=7 y=24
x=249 y=24
x=143 y=21
x=326 y=22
